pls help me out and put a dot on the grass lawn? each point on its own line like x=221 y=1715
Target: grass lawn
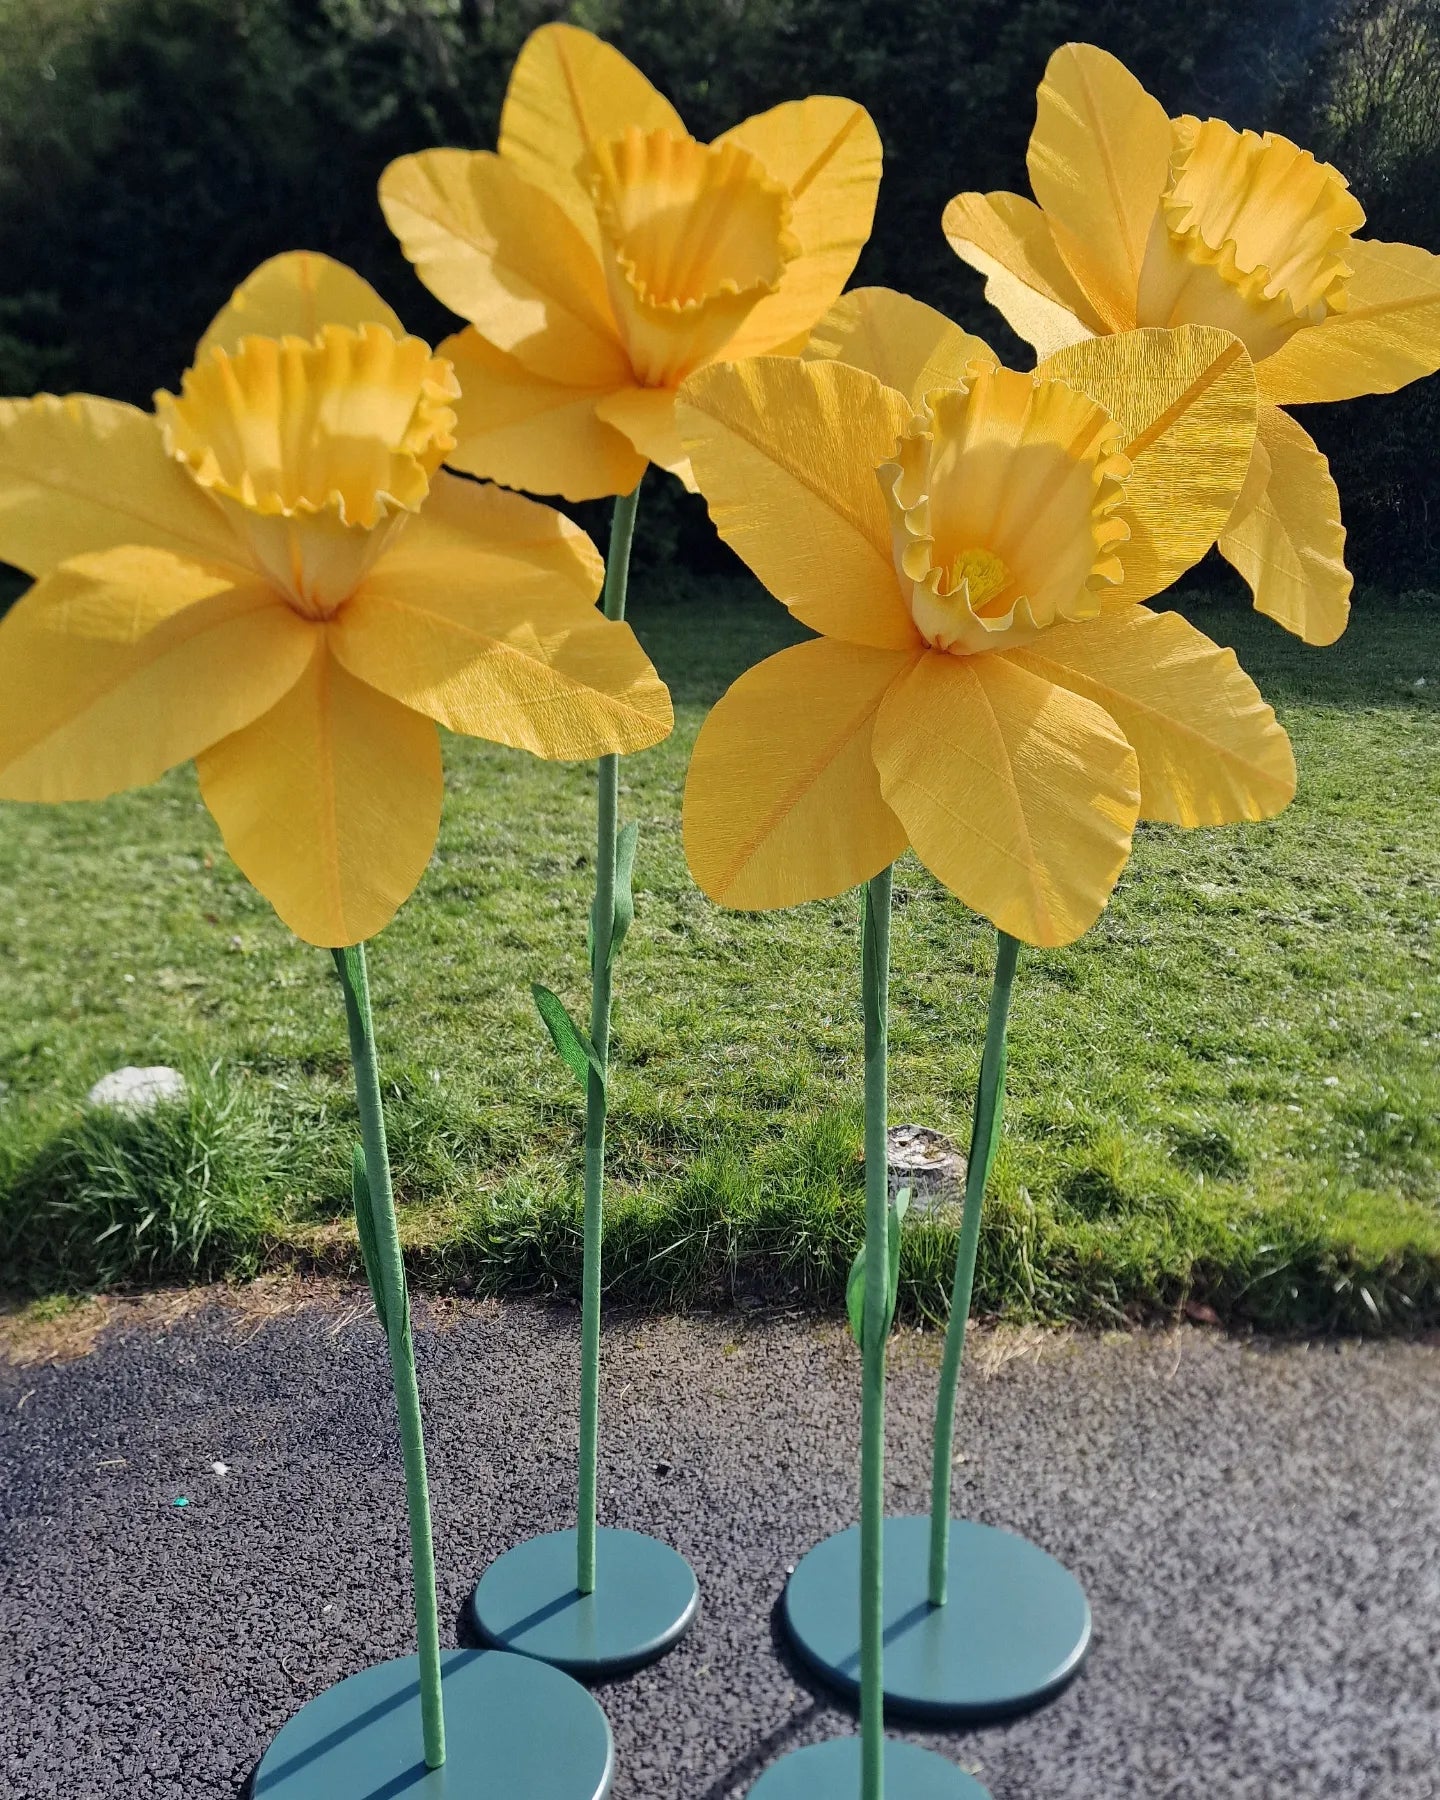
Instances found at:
x=1227 y=1092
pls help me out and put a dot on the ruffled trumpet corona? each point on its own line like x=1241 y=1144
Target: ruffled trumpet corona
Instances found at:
x=974 y=546
x=604 y=254
x=271 y=574
x=1145 y=220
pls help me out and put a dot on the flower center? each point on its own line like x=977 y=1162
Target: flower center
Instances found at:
x=696 y=236
x=1002 y=500
x=1252 y=234
x=317 y=450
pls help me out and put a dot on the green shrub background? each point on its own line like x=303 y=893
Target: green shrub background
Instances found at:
x=153 y=151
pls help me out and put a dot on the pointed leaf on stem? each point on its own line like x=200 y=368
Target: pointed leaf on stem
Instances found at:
x=576 y=1050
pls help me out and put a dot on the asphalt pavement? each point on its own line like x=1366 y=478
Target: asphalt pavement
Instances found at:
x=1255 y=1524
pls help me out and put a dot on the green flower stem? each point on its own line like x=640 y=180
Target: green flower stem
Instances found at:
x=984 y=1140
x=875 y=983
x=391 y=1277
x=617 y=576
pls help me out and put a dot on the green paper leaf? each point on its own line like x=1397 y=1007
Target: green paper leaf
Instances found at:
x=623 y=915
x=365 y=1228
x=576 y=1050
x=855 y=1285
x=624 y=892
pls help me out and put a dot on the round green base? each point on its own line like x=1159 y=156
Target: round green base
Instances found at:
x=831 y=1771
x=512 y=1727
x=644 y=1602
x=1014 y=1632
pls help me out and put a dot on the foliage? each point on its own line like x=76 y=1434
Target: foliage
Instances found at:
x=1227 y=1092
x=177 y=1193
x=153 y=151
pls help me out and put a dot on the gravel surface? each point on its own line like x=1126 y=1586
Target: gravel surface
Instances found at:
x=1256 y=1527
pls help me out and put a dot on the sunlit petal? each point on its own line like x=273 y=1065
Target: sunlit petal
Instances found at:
x=1387 y=333
x=825 y=152
x=1012 y=244
x=516 y=427
x=902 y=342
x=294 y=295
x=483 y=618
x=500 y=252
x=80 y=474
x=1209 y=748
x=783 y=803
x=1291 y=546
x=1186 y=403
x=1017 y=794
x=647 y=417
x=122 y=663
x=785 y=453
x=1099 y=161
x=329 y=803
x=569 y=91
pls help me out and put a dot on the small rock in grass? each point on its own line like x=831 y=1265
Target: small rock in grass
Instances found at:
x=928 y=1164
x=132 y=1090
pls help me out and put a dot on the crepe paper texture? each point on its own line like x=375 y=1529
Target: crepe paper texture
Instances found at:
x=272 y=574
x=973 y=546
x=1147 y=220
x=603 y=254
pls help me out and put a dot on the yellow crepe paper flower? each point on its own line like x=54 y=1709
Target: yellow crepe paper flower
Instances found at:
x=972 y=544
x=271 y=574
x=604 y=254
x=1148 y=220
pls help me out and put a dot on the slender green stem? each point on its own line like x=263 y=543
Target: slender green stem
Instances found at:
x=617 y=576
x=875 y=984
x=354 y=980
x=984 y=1140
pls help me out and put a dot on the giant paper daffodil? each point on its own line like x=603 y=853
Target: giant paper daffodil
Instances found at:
x=1148 y=220
x=974 y=546
x=604 y=254
x=271 y=574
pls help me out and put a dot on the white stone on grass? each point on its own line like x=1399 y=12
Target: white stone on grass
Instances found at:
x=132 y=1090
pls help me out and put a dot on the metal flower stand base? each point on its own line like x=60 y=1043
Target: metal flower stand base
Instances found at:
x=644 y=1600
x=1014 y=1631
x=513 y=1727
x=831 y=1771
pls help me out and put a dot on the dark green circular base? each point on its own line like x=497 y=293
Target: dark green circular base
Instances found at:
x=1014 y=1632
x=832 y=1772
x=512 y=1727
x=644 y=1602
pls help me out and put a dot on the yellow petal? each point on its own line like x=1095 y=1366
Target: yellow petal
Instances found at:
x=647 y=417
x=1019 y=795
x=121 y=663
x=1210 y=750
x=902 y=342
x=1387 y=335
x=1099 y=160
x=785 y=453
x=1012 y=243
x=516 y=427
x=1291 y=547
x=1186 y=402
x=526 y=547
x=80 y=474
x=782 y=803
x=355 y=420
x=500 y=252
x=329 y=803
x=484 y=620
x=293 y=296
x=568 y=92
x=826 y=152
